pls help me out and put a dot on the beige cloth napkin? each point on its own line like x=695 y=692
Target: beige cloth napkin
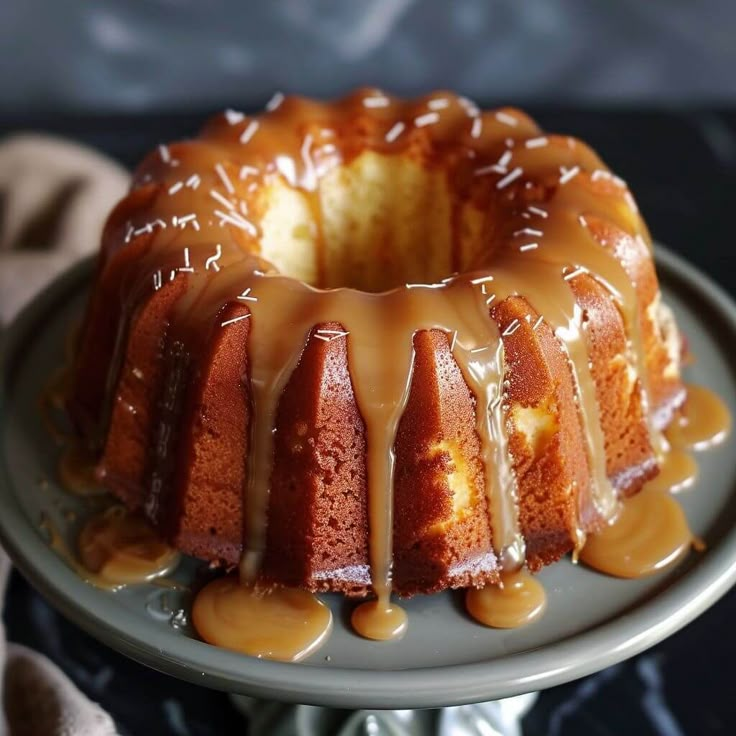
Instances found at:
x=54 y=197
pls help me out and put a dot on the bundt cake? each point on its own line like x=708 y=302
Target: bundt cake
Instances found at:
x=376 y=345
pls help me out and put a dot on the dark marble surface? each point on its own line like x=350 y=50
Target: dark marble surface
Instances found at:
x=122 y=55
x=681 y=165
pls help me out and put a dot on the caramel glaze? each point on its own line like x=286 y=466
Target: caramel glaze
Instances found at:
x=77 y=470
x=379 y=621
x=649 y=534
x=650 y=531
x=519 y=600
x=115 y=549
x=557 y=218
x=677 y=471
x=283 y=624
x=704 y=421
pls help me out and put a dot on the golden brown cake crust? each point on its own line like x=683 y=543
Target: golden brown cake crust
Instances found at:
x=440 y=188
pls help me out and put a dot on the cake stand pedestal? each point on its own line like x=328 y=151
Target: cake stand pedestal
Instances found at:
x=446 y=659
x=495 y=718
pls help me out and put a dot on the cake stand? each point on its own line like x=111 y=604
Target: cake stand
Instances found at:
x=446 y=659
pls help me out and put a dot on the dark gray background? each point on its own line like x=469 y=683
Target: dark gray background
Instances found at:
x=171 y=54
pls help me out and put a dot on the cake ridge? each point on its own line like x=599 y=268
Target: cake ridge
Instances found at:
x=544 y=224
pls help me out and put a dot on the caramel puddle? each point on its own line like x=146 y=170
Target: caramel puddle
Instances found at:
x=520 y=600
x=77 y=471
x=285 y=624
x=704 y=421
x=649 y=534
x=677 y=472
x=378 y=621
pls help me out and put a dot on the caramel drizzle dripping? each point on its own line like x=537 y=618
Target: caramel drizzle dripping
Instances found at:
x=375 y=325
x=563 y=247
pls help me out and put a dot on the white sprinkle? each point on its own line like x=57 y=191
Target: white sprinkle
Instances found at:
x=234 y=117
x=212 y=260
x=510 y=142
x=396 y=130
x=148 y=228
x=376 y=102
x=244 y=296
x=537 y=211
x=172 y=274
x=193 y=181
x=505 y=159
x=174 y=188
x=481 y=280
x=427 y=119
x=490 y=298
x=600 y=174
x=186 y=219
x=483 y=170
x=233 y=320
x=329 y=335
x=528 y=246
x=165 y=153
x=528 y=231
x=425 y=286
x=220 y=169
x=583 y=222
x=526 y=215
x=469 y=106
x=506 y=119
x=573 y=274
x=222 y=200
x=477 y=127
x=157 y=280
x=439 y=103
x=539 y=321
x=511 y=328
x=233 y=218
x=187 y=264
x=249 y=131
x=243 y=207
x=329 y=148
x=275 y=101
x=515 y=174
x=536 y=142
x=618 y=181
x=454 y=340
x=246 y=171
x=567 y=174
x=129 y=233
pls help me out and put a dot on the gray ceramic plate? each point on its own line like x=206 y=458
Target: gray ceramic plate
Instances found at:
x=446 y=659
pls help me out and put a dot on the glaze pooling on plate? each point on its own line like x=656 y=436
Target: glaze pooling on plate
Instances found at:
x=526 y=222
x=242 y=253
x=582 y=630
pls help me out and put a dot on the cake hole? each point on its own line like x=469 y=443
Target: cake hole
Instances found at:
x=378 y=222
